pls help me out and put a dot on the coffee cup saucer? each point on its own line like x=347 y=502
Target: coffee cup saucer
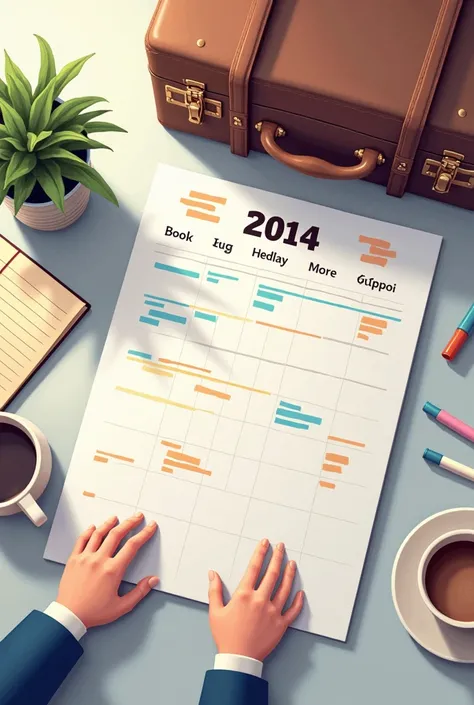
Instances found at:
x=443 y=640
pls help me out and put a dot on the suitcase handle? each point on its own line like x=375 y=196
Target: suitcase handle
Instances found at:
x=312 y=166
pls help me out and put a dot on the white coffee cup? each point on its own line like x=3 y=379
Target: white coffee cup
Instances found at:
x=433 y=548
x=25 y=501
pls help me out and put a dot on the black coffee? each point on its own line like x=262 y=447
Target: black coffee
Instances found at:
x=17 y=461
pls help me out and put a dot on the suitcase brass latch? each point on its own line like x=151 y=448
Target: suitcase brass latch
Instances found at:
x=194 y=99
x=446 y=172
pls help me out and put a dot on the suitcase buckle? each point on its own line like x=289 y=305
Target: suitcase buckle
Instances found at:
x=446 y=172
x=194 y=99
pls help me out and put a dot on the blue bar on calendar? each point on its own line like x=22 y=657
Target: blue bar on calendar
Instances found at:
x=269 y=295
x=168 y=317
x=137 y=353
x=300 y=417
x=287 y=405
x=205 y=316
x=157 y=304
x=222 y=276
x=292 y=424
x=212 y=280
x=150 y=321
x=168 y=301
x=262 y=304
x=177 y=270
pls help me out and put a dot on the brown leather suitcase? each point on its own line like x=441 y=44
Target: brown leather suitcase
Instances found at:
x=381 y=90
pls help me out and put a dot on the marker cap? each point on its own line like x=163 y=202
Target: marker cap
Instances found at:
x=431 y=409
x=432 y=456
x=467 y=323
x=455 y=344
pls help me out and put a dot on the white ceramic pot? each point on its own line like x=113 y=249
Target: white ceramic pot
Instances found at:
x=25 y=501
x=46 y=216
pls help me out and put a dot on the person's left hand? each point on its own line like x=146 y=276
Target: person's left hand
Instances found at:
x=91 y=579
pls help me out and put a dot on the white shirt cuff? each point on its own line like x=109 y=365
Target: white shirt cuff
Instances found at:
x=68 y=619
x=242 y=664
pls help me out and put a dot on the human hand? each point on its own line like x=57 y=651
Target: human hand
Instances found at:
x=252 y=624
x=91 y=579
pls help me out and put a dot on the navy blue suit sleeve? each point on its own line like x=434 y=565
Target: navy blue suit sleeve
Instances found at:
x=233 y=688
x=35 y=658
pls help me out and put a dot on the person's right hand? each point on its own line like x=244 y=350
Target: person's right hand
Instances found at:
x=95 y=569
x=252 y=624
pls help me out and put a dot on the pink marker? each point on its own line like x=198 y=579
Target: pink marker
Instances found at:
x=450 y=421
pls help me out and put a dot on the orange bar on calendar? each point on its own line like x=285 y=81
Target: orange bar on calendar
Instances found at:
x=371 y=329
x=116 y=457
x=88 y=494
x=336 y=458
x=337 y=439
x=100 y=459
x=328 y=485
x=169 y=444
x=183 y=457
x=211 y=392
x=379 y=323
x=332 y=468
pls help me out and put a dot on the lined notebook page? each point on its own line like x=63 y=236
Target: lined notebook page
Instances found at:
x=36 y=312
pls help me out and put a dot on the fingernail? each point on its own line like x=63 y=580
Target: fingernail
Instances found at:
x=113 y=519
x=92 y=526
x=280 y=546
x=265 y=542
x=301 y=593
x=138 y=515
x=212 y=575
x=152 y=524
x=153 y=582
x=293 y=565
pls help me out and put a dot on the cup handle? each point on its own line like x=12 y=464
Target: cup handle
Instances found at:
x=32 y=510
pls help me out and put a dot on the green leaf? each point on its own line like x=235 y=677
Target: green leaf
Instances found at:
x=33 y=139
x=70 y=109
x=103 y=127
x=86 y=144
x=3 y=190
x=88 y=176
x=13 y=121
x=48 y=66
x=4 y=91
x=40 y=113
x=59 y=153
x=73 y=127
x=69 y=72
x=3 y=131
x=57 y=138
x=20 y=164
x=6 y=153
x=12 y=68
x=51 y=180
x=17 y=144
x=87 y=117
x=19 y=88
x=23 y=188
x=71 y=141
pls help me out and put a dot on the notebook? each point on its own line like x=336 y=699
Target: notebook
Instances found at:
x=37 y=312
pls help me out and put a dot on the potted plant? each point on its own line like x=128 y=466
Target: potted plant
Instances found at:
x=45 y=172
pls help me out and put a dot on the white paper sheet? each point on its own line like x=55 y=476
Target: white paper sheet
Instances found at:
x=250 y=386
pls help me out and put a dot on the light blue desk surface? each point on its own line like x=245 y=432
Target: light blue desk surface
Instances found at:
x=160 y=652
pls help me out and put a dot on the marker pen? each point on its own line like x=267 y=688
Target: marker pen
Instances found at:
x=448 y=464
x=450 y=421
x=461 y=334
